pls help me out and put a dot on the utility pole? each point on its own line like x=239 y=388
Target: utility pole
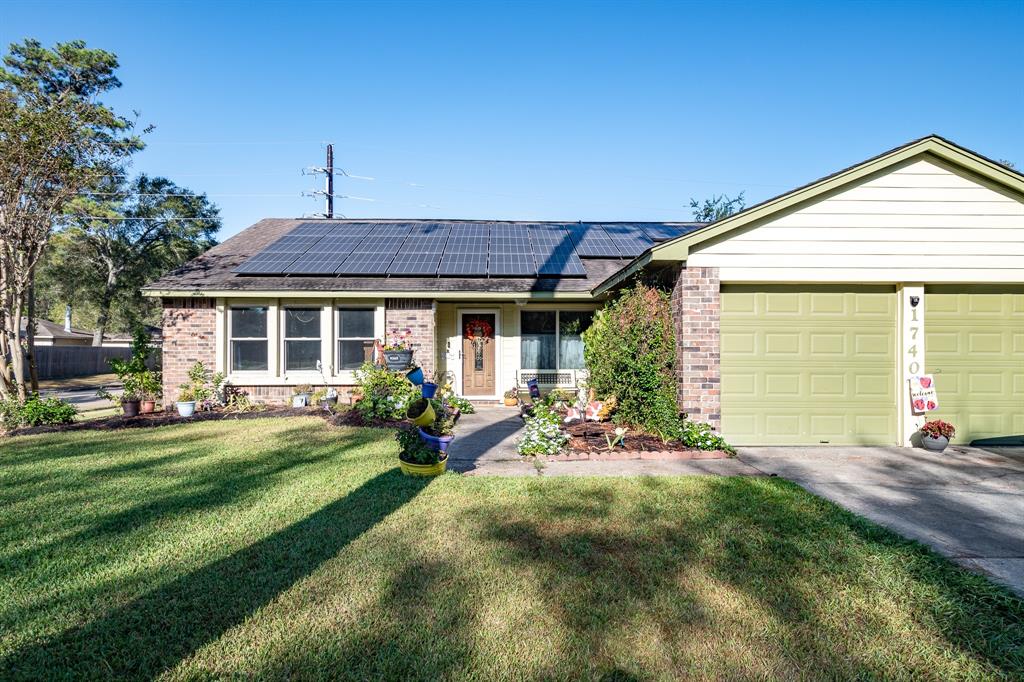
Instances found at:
x=330 y=181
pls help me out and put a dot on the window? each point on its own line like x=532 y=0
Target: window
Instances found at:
x=551 y=339
x=355 y=337
x=301 y=339
x=249 y=339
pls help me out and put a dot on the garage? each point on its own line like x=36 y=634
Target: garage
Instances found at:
x=808 y=365
x=974 y=345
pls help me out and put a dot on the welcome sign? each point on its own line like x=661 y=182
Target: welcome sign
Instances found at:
x=923 y=397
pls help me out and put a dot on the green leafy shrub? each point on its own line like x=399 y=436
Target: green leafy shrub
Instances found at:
x=139 y=382
x=463 y=404
x=542 y=432
x=386 y=394
x=412 y=448
x=36 y=411
x=701 y=436
x=630 y=351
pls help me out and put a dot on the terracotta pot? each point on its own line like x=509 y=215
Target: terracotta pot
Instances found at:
x=511 y=402
x=147 y=407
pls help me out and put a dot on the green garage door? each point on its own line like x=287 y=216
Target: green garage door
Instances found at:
x=808 y=365
x=974 y=345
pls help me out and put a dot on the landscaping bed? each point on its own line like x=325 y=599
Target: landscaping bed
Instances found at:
x=589 y=440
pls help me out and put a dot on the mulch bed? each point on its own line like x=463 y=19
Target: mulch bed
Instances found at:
x=344 y=416
x=587 y=441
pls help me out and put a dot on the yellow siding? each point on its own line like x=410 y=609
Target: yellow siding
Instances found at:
x=919 y=222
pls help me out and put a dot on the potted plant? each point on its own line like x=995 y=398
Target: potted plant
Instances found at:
x=186 y=402
x=397 y=354
x=512 y=397
x=415 y=375
x=415 y=458
x=421 y=412
x=150 y=385
x=935 y=435
x=429 y=388
x=301 y=395
x=441 y=432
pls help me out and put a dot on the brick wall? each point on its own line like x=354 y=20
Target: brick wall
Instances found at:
x=696 y=311
x=418 y=316
x=189 y=326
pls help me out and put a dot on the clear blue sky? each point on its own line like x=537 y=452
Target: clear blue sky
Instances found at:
x=561 y=111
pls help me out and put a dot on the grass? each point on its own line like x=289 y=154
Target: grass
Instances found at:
x=278 y=548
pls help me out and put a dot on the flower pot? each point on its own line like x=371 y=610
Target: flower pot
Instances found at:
x=935 y=444
x=187 y=408
x=511 y=402
x=423 y=469
x=415 y=376
x=397 y=360
x=130 y=408
x=428 y=389
x=421 y=413
x=300 y=400
x=147 y=407
x=439 y=443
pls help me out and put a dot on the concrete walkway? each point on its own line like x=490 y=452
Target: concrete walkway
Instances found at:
x=966 y=503
x=485 y=445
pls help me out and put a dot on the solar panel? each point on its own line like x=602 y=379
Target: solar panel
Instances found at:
x=265 y=263
x=593 y=242
x=561 y=263
x=662 y=232
x=466 y=245
x=415 y=264
x=366 y=263
x=511 y=264
x=632 y=241
x=460 y=230
x=468 y=264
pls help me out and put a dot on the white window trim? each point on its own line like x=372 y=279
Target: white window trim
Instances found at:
x=305 y=376
x=348 y=376
x=230 y=339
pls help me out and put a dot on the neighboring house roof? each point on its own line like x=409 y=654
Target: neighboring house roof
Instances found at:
x=932 y=147
x=214 y=272
x=52 y=330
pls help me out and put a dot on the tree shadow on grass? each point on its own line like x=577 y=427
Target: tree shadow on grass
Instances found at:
x=674 y=567
x=157 y=630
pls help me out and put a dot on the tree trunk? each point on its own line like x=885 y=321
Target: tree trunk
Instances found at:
x=30 y=337
x=106 y=300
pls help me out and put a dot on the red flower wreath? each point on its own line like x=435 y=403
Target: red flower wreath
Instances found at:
x=487 y=331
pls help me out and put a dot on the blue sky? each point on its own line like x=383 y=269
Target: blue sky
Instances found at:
x=560 y=111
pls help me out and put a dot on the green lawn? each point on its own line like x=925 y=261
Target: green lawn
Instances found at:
x=287 y=548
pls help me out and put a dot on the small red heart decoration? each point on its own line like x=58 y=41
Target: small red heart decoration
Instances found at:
x=918 y=404
x=931 y=404
x=926 y=382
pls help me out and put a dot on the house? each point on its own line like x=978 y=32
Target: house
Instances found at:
x=800 y=320
x=53 y=334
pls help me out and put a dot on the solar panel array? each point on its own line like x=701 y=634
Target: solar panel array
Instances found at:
x=429 y=249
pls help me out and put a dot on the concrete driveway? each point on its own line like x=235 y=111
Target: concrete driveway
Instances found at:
x=967 y=503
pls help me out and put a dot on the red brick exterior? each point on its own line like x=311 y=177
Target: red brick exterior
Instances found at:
x=418 y=316
x=696 y=309
x=189 y=326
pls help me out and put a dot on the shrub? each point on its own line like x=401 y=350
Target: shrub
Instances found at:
x=386 y=394
x=630 y=352
x=542 y=433
x=36 y=411
x=140 y=382
x=701 y=436
x=463 y=404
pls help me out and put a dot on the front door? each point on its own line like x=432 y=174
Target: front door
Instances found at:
x=478 y=354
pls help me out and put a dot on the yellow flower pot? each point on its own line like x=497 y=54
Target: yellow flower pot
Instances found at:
x=427 y=418
x=423 y=469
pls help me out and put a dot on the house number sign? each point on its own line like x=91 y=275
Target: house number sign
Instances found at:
x=918 y=388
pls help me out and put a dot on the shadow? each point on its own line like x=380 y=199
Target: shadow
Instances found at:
x=485 y=435
x=154 y=632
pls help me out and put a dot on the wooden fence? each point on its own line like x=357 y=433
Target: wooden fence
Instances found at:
x=61 y=362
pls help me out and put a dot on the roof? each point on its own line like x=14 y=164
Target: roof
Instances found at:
x=933 y=146
x=48 y=329
x=214 y=272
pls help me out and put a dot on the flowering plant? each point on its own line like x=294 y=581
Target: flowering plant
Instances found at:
x=937 y=428
x=542 y=434
x=398 y=339
x=619 y=439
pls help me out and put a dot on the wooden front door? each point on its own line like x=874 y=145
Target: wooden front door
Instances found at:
x=478 y=354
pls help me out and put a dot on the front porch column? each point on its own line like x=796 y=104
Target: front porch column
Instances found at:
x=418 y=315
x=696 y=311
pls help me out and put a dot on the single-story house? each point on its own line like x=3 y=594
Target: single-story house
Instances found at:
x=800 y=320
x=49 y=333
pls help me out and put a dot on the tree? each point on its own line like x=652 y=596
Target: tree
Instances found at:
x=125 y=234
x=56 y=139
x=717 y=207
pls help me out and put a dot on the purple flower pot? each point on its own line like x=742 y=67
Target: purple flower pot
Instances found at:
x=440 y=443
x=428 y=389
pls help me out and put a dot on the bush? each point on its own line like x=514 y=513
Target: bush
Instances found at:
x=701 y=436
x=386 y=394
x=630 y=351
x=36 y=411
x=542 y=433
x=463 y=404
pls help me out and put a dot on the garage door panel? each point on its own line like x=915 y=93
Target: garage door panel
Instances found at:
x=974 y=345
x=808 y=365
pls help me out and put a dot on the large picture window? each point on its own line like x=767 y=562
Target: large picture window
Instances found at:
x=355 y=337
x=551 y=339
x=301 y=339
x=249 y=339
